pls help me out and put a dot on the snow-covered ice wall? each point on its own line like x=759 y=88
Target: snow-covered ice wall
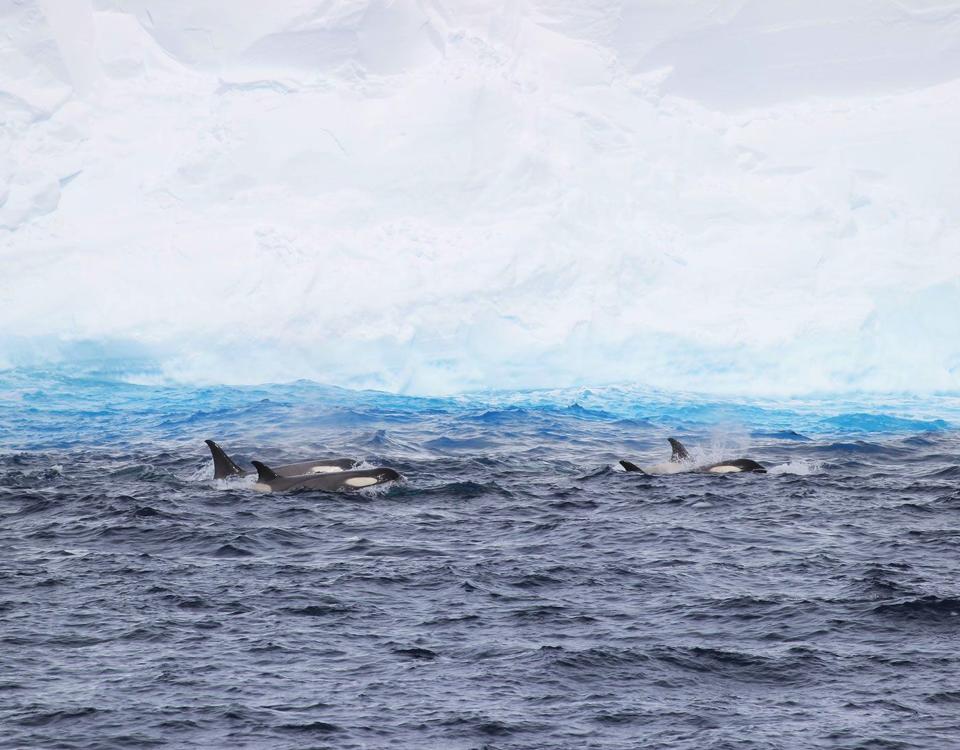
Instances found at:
x=755 y=196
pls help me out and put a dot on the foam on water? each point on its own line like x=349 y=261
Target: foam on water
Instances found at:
x=801 y=467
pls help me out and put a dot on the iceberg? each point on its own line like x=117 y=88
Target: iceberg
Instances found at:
x=437 y=197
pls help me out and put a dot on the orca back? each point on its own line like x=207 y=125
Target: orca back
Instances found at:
x=224 y=466
x=338 y=481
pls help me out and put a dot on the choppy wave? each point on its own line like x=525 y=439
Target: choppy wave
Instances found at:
x=516 y=590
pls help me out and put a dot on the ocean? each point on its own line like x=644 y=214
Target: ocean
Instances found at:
x=516 y=589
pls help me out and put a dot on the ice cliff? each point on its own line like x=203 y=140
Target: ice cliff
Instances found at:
x=431 y=196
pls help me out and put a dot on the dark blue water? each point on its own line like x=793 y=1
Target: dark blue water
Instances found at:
x=515 y=591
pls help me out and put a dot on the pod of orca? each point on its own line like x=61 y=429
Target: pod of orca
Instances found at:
x=680 y=462
x=327 y=474
x=340 y=474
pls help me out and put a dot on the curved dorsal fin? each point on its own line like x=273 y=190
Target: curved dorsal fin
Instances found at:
x=223 y=465
x=679 y=452
x=630 y=466
x=264 y=472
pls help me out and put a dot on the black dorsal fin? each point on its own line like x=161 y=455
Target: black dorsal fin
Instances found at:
x=679 y=452
x=629 y=466
x=223 y=465
x=264 y=472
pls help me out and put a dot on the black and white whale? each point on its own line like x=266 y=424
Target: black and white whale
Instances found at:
x=680 y=461
x=224 y=466
x=268 y=480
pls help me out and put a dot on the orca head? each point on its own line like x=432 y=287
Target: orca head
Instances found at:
x=377 y=476
x=737 y=466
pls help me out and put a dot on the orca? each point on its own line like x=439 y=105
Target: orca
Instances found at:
x=268 y=480
x=224 y=466
x=680 y=462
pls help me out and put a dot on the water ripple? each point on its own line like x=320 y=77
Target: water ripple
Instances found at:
x=517 y=590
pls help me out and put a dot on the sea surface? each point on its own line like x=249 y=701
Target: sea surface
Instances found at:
x=515 y=590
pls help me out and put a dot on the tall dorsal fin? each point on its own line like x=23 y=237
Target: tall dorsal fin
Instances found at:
x=264 y=472
x=223 y=465
x=679 y=452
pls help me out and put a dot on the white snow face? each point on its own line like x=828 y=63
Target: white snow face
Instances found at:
x=726 y=196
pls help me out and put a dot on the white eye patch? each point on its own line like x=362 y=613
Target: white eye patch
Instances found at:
x=360 y=481
x=725 y=469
